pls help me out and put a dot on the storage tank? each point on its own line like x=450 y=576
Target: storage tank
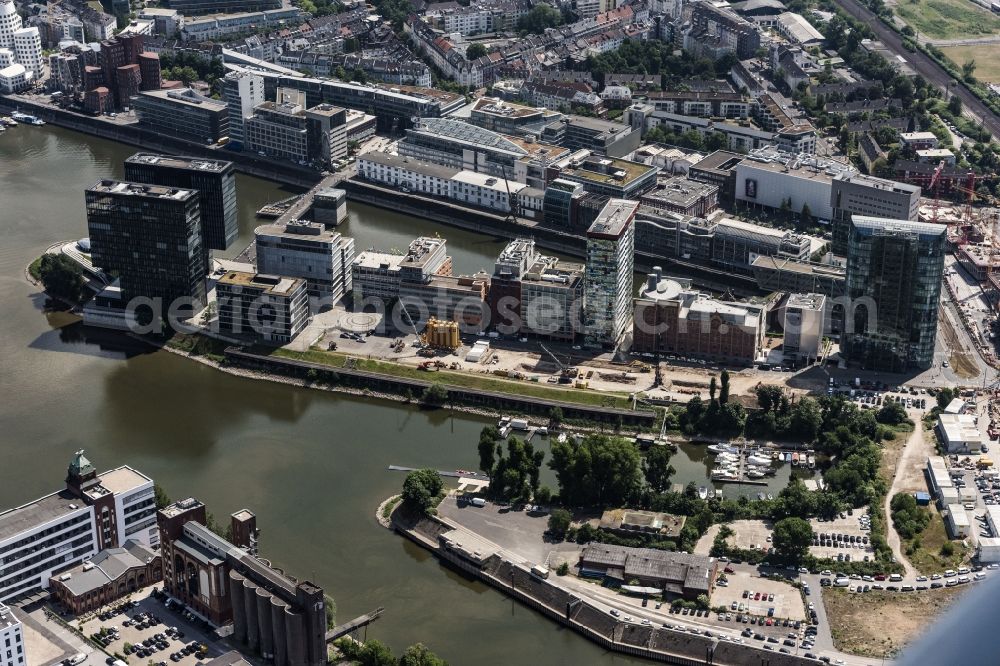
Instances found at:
x=264 y=621
x=239 y=611
x=278 y=628
x=250 y=603
x=295 y=637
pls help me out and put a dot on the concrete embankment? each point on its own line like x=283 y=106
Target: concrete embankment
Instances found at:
x=285 y=173
x=562 y=606
x=509 y=402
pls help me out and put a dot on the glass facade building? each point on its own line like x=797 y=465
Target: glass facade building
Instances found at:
x=610 y=262
x=215 y=181
x=894 y=272
x=150 y=238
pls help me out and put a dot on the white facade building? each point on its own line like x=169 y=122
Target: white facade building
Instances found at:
x=484 y=191
x=6 y=58
x=960 y=433
x=767 y=178
x=10 y=22
x=28 y=50
x=803 y=326
x=11 y=639
x=609 y=268
x=94 y=511
x=14 y=78
x=307 y=250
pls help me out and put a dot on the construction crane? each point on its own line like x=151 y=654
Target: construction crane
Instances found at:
x=406 y=314
x=566 y=373
x=512 y=215
x=933 y=187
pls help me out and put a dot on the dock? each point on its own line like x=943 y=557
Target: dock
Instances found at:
x=276 y=209
x=353 y=625
x=452 y=474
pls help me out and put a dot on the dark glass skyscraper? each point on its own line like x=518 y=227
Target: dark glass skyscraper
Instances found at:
x=215 y=181
x=149 y=236
x=894 y=271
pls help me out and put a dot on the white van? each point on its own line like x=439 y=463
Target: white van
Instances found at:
x=842 y=582
x=478 y=501
x=895 y=578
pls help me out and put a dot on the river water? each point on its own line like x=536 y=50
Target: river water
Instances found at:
x=312 y=465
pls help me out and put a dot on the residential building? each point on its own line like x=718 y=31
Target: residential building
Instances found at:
x=214 y=180
x=936 y=156
x=112 y=574
x=682 y=195
x=680 y=575
x=715 y=32
x=857 y=194
x=803 y=324
x=918 y=140
x=610 y=262
x=219 y=26
x=12 y=650
x=243 y=92
x=150 y=237
x=182 y=114
x=894 y=272
x=93 y=512
x=267 y=308
x=194 y=7
x=960 y=433
x=272 y=614
x=310 y=251
x=708 y=104
x=670 y=318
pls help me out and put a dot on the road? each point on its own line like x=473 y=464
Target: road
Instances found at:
x=912 y=454
x=922 y=64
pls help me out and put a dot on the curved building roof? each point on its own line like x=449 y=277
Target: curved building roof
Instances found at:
x=467 y=133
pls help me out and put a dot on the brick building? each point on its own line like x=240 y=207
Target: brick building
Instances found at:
x=108 y=576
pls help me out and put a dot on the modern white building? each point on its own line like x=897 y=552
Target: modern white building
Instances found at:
x=243 y=91
x=11 y=639
x=14 y=78
x=28 y=50
x=957 y=521
x=10 y=22
x=480 y=189
x=960 y=433
x=307 y=250
x=93 y=512
x=610 y=264
x=24 y=43
x=803 y=326
x=767 y=178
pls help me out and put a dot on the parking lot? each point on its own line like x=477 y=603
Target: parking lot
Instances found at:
x=144 y=630
x=845 y=538
x=762 y=597
x=750 y=534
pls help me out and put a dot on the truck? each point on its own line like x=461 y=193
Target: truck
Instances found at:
x=539 y=571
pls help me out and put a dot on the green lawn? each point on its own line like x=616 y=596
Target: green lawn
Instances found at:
x=948 y=19
x=463 y=379
x=928 y=558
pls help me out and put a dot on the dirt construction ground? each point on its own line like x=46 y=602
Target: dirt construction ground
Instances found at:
x=879 y=623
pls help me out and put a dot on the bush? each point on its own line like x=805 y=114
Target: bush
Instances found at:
x=562 y=569
x=434 y=395
x=947 y=549
x=908 y=518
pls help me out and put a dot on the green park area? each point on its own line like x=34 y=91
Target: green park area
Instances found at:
x=948 y=19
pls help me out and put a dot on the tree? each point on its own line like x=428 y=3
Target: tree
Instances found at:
x=597 y=470
x=712 y=388
x=806 y=420
x=969 y=70
x=330 y=606
x=944 y=397
x=892 y=413
x=374 y=653
x=489 y=441
x=61 y=277
x=421 y=487
x=540 y=17
x=434 y=395
x=908 y=518
x=475 y=51
x=555 y=418
x=419 y=655
x=543 y=495
x=955 y=105
x=516 y=475
x=724 y=390
x=559 y=521
x=792 y=538
x=160 y=496
x=806 y=216
x=657 y=469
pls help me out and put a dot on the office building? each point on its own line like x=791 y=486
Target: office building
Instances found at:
x=127 y=69
x=602 y=137
x=670 y=318
x=214 y=180
x=150 y=237
x=857 y=194
x=272 y=614
x=22 y=62
x=558 y=203
x=610 y=261
x=960 y=433
x=504 y=117
x=531 y=294
x=327 y=131
x=894 y=271
x=610 y=176
x=112 y=574
x=682 y=195
x=462 y=146
x=265 y=308
x=12 y=651
x=28 y=50
x=286 y=130
x=92 y=512
x=182 y=114
x=774 y=274
x=307 y=250
x=803 y=325
x=243 y=92
x=377 y=275
x=777 y=180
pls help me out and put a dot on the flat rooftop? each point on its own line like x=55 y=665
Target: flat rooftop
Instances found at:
x=269 y=284
x=619 y=172
x=375 y=260
x=7 y=618
x=679 y=191
x=123 y=479
x=300 y=231
x=614 y=219
x=176 y=162
x=410 y=164
x=141 y=190
x=803 y=267
x=43 y=510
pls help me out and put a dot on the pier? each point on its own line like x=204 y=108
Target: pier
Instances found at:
x=453 y=474
x=278 y=208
